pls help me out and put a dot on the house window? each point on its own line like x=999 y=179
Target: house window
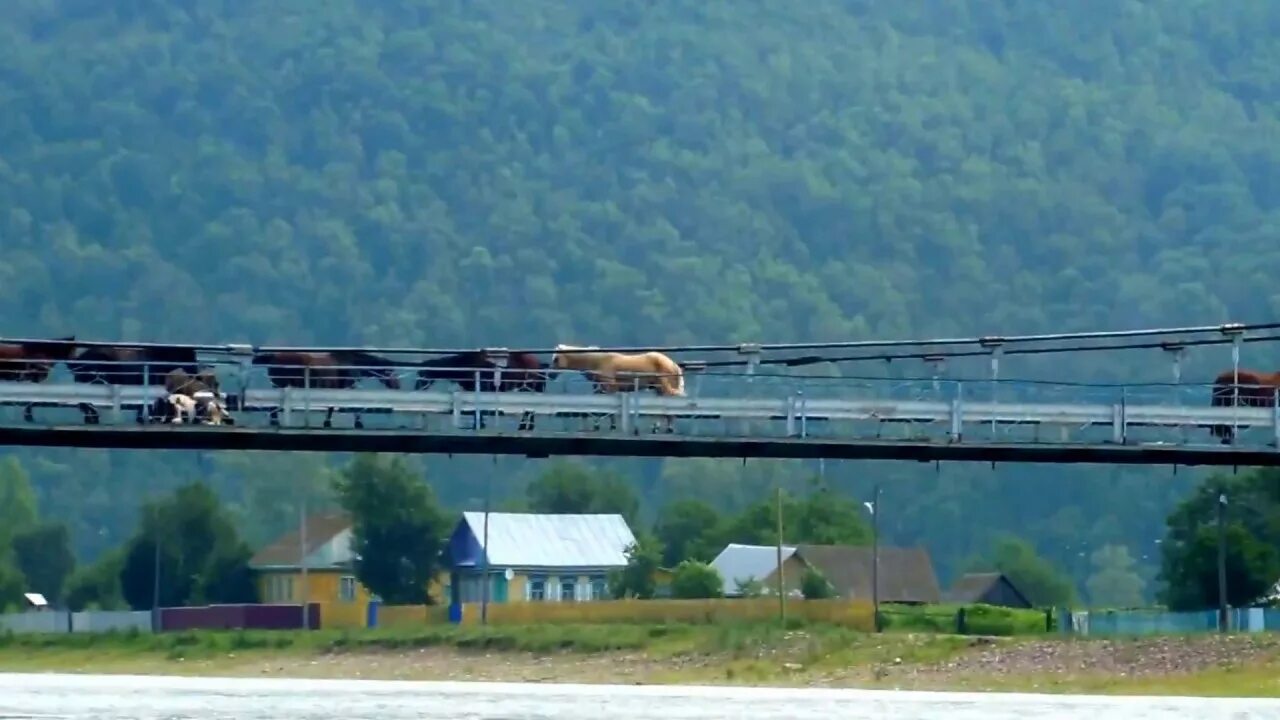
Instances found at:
x=567 y=586
x=347 y=589
x=537 y=589
x=599 y=588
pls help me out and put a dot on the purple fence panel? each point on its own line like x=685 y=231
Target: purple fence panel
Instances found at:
x=236 y=617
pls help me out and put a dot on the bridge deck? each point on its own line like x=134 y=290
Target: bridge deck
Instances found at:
x=793 y=417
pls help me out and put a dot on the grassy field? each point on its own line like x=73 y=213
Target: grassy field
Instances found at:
x=731 y=653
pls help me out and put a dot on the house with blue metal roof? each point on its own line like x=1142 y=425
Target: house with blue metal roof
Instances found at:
x=535 y=557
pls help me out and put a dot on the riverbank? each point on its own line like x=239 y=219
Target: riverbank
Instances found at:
x=750 y=654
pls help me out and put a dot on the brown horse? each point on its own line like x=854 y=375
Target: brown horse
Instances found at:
x=330 y=370
x=615 y=372
x=32 y=362
x=523 y=373
x=1243 y=388
x=123 y=365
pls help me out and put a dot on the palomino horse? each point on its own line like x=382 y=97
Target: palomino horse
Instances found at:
x=115 y=365
x=32 y=362
x=330 y=370
x=1244 y=388
x=615 y=372
x=523 y=373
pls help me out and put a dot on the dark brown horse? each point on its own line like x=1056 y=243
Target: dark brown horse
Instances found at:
x=32 y=362
x=123 y=365
x=523 y=373
x=330 y=370
x=1243 y=388
x=112 y=365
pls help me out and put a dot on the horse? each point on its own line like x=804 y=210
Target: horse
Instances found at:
x=523 y=373
x=173 y=407
x=340 y=369
x=190 y=395
x=32 y=362
x=613 y=372
x=1246 y=388
x=122 y=365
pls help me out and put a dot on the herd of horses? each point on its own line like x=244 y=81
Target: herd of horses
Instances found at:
x=193 y=390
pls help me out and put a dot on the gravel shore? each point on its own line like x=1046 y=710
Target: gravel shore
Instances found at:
x=891 y=663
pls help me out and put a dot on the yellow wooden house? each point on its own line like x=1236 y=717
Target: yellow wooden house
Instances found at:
x=330 y=578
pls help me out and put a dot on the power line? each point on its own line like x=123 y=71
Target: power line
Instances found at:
x=803 y=360
x=989 y=342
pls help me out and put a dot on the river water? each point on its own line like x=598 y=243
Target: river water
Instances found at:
x=117 y=697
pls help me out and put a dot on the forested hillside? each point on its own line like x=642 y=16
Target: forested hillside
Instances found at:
x=525 y=173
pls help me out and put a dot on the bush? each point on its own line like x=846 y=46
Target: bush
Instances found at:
x=815 y=586
x=696 y=580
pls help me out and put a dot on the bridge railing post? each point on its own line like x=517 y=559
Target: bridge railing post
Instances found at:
x=957 y=415
x=751 y=351
x=996 y=347
x=306 y=398
x=1275 y=417
x=475 y=396
x=1176 y=352
x=1235 y=331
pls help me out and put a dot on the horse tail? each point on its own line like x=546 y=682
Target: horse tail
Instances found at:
x=672 y=374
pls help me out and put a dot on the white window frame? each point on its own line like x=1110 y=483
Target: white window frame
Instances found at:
x=347 y=588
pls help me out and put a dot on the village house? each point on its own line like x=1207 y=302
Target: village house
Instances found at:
x=906 y=575
x=531 y=557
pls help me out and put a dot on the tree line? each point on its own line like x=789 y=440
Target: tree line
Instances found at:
x=401 y=527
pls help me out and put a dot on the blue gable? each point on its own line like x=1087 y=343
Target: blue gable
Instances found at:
x=464 y=548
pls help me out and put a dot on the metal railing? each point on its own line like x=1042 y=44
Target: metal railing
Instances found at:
x=716 y=404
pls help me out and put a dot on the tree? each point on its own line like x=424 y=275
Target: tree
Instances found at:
x=1189 y=553
x=202 y=559
x=96 y=585
x=397 y=527
x=43 y=553
x=1114 y=584
x=18 y=507
x=695 y=580
x=637 y=579
x=12 y=586
x=568 y=487
x=815 y=586
x=819 y=518
x=688 y=530
x=1042 y=583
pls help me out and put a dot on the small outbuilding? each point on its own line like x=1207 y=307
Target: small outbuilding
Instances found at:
x=988 y=589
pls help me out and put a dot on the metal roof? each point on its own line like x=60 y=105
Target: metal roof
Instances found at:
x=553 y=540
x=748 y=562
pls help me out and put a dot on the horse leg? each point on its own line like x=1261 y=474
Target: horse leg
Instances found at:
x=28 y=414
x=359 y=423
x=90 y=414
x=328 y=419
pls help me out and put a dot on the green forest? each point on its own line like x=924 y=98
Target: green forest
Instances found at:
x=457 y=174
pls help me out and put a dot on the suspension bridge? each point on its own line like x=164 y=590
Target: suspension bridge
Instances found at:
x=737 y=406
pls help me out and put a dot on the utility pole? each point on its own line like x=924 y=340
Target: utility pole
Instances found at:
x=302 y=561
x=875 y=557
x=782 y=593
x=484 y=553
x=1222 y=562
x=155 y=571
